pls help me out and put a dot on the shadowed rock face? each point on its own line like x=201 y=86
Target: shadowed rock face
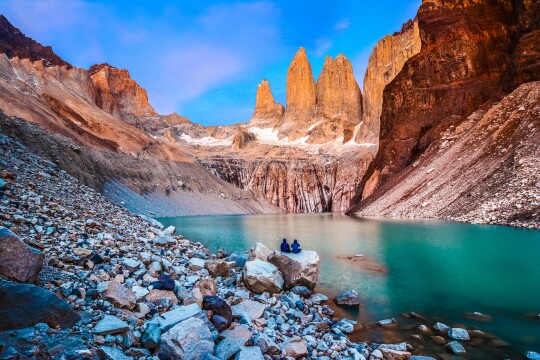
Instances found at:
x=466 y=47
x=385 y=62
x=14 y=43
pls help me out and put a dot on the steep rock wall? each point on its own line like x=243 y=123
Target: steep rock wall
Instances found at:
x=295 y=185
x=385 y=62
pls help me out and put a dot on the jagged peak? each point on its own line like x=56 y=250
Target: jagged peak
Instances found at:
x=13 y=43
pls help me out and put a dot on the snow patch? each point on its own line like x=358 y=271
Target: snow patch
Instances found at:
x=206 y=141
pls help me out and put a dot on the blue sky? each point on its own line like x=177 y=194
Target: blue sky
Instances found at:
x=204 y=59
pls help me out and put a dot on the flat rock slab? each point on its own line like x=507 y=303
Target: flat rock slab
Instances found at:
x=112 y=353
x=110 y=325
x=25 y=305
x=169 y=319
x=456 y=348
x=18 y=261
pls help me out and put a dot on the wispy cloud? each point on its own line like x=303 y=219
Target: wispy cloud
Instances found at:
x=342 y=25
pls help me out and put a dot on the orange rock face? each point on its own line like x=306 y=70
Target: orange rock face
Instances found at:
x=118 y=94
x=339 y=101
x=301 y=90
x=267 y=112
x=385 y=62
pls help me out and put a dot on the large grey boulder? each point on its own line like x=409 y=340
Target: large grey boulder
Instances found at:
x=297 y=269
x=18 y=261
x=24 y=305
x=190 y=339
x=260 y=276
x=459 y=334
x=259 y=251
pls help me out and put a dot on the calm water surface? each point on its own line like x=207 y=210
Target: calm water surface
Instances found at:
x=438 y=269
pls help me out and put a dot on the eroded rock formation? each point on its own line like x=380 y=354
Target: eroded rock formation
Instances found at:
x=385 y=62
x=118 y=94
x=267 y=112
x=301 y=91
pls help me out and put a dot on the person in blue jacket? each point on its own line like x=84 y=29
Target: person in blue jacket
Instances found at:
x=295 y=247
x=285 y=246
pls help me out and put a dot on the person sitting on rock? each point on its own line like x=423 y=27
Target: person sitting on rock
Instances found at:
x=296 y=247
x=285 y=246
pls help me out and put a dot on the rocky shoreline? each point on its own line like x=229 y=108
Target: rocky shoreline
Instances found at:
x=84 y=278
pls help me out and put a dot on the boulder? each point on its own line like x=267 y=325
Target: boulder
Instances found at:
x=233 y=341
x=190 y=339
x=297 y=269
x=18 y=261
x=531 y=355
x=301 y=291
x=112 y=353
x=458 y=334
x=219 y=307
x=110 y=325
x=295 y=348
x=239 y=259
x=169 y=319
x=249 y=353
x=117 y=294
x=220 y=267
x=205 y=287
x=162 y=298
x=259 y=251
x=249 y=309
x=440 y=327
x=152 y=336
x=260 y=276
x=25 y=305
x=348 y=297
x=390 y=354
x=456 y=348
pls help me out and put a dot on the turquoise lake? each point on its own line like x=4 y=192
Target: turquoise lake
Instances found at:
x=438 y=269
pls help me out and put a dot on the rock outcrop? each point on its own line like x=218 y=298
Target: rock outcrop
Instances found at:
x=385 y=62
x=452 y=75
x=268 y=113
x=118 y=94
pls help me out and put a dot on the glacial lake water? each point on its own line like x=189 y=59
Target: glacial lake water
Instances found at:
x=438 y=269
